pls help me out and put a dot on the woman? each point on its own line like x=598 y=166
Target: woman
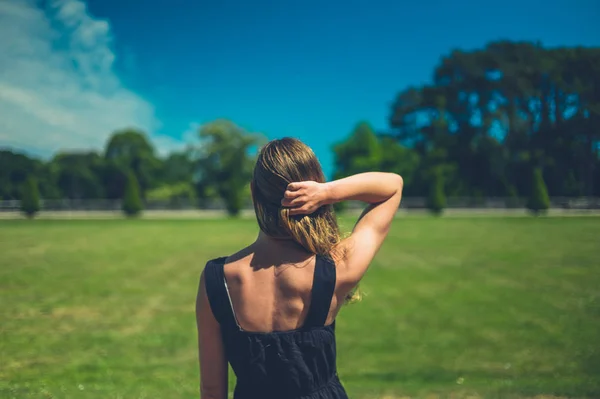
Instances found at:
x=269 y=310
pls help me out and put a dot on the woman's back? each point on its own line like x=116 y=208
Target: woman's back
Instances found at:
x=296 y=359
x=270 y=285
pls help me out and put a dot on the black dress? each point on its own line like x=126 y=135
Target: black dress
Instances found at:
x=296 y=364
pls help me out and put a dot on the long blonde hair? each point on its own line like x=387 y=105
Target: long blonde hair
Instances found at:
x=281 y=162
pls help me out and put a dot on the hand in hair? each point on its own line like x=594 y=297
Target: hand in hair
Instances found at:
x=304 y=198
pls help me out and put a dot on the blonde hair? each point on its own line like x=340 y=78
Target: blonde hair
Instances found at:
x=281 y=162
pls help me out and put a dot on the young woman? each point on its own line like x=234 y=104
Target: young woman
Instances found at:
x=269 y=310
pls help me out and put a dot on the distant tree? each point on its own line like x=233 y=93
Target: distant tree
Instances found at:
x=398 y=159
x=30 y=200
x=358 y=153
x=114 y=179
x=174 y=194
x=436 y=201
x=364 y=151
x=177 y=167
x=538 y=201
x=15 y=167
x=132 y=202
x=79 y=175
x=224 y=162
x=340 y=207
x=131 y=149
x=498 y=109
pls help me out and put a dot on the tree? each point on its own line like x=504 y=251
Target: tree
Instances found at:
x=80 y=175
x=175 y=194
x=131 y=149
x=224 y=162
x=365 y=151
x=30 y=202
x=538 y=200
x=497 y=110
x=360 y=152
x=401 y=160
x=177 y=167
x=15 y=167
x=132 y=202
x=114 y=179
x=436 y=201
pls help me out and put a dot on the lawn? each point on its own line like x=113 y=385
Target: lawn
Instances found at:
x=454 y=307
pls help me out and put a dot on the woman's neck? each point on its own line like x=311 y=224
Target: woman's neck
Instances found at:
x=279 y=248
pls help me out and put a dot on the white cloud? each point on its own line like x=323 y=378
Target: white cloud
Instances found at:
x=58 y=88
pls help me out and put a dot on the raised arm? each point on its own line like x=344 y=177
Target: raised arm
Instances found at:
x=382 y=191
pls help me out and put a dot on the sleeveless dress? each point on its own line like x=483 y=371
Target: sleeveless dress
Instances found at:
x=295 y=364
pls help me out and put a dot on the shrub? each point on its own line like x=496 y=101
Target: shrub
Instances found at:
x=538 y=200
x=30 y=200
x=436 y=201
x=132 y=202
x=340 y=207
x=234 y=200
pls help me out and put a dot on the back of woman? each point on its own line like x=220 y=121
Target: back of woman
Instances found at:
x=269 y=310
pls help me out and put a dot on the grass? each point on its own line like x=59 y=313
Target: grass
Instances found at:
x=454 y=307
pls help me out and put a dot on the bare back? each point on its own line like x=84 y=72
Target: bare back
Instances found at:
x=270 y=288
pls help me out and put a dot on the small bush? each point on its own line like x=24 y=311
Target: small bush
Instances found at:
x=538 y=202
x=30 y=200
x=234 y=203
x=340 y=207
x=234 y=195
x=436 y=201
x=132 y=202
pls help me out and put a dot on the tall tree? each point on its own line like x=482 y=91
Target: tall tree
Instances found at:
x=131 y=149
x=500 y=111
x=364 y=151
x=15 y=167
x=132 y=202
x=177 y=167
x=538 y=199
x=80 y=175
x=30 y=202
x=225 y=162
x=360 y=152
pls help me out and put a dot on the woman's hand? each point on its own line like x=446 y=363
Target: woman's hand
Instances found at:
x=303 y=198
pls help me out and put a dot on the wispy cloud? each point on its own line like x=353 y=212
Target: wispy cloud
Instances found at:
x=58 y=87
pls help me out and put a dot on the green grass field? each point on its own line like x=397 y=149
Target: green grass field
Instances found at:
x=454 y=307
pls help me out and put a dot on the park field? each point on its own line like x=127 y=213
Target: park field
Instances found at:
x=454 y=308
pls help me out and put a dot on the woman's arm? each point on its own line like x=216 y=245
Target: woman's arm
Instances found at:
x=383 y=191
x=213 y=363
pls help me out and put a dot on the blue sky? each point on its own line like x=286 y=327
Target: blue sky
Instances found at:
x=309 y=69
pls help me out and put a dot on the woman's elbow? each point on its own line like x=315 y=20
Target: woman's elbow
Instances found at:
x=398 y=182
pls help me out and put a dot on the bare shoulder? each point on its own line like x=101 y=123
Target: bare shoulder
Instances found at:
x=237 y=262
x=346 y=279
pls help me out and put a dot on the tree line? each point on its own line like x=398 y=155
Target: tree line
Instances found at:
x=489 y=122
x=129 y=169
x=513 y=119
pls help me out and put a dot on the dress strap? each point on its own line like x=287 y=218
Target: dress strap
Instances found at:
x=322 y=292
x=216 y=291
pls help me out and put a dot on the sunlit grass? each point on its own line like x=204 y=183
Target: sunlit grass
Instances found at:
x=461 y=307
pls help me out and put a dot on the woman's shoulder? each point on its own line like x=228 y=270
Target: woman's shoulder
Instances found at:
x=217 y=260
x=226 y=259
